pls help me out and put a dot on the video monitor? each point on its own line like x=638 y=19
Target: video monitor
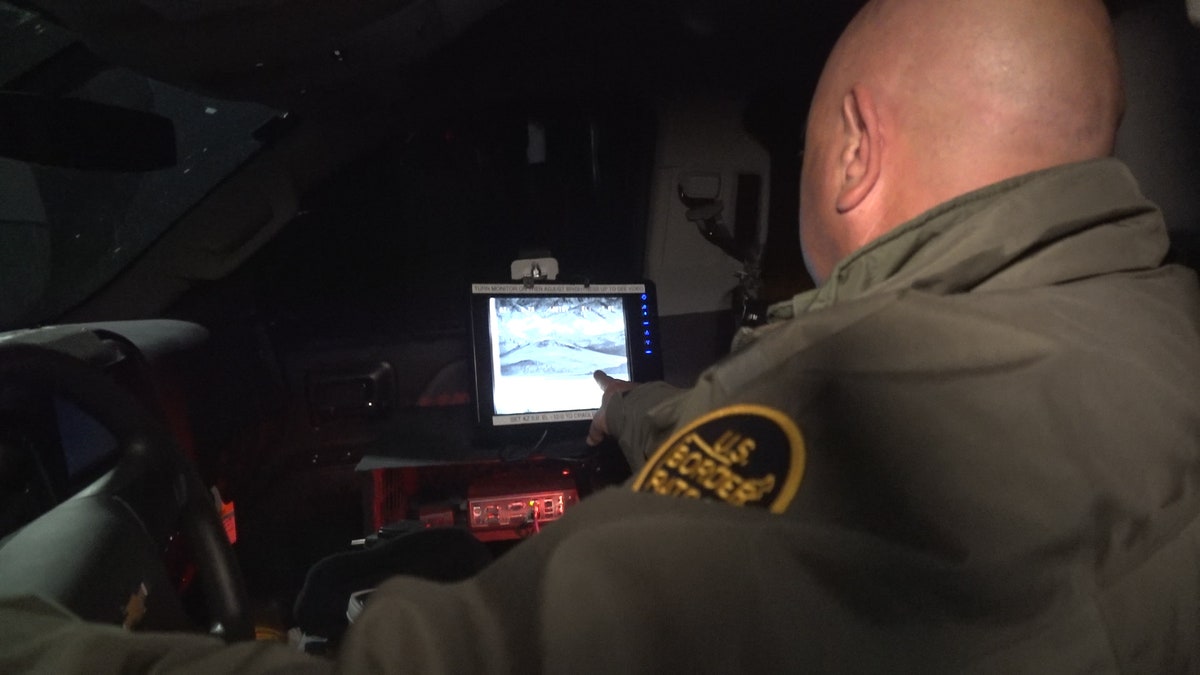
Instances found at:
x=537 y=347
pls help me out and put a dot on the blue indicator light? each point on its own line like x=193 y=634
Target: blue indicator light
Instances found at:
x=648 y=351
x=645 y=323
x=645 y=297
x=645 y=308
x=646 y=333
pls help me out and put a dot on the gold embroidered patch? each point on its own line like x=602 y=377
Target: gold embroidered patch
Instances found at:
x=745 y=455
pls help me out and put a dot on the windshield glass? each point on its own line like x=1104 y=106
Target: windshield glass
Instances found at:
x=65 y=233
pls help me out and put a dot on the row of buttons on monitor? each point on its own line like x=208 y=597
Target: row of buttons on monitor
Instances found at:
x=647 y=340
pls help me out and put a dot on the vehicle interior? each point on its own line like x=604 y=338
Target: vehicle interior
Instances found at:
x=238 y=241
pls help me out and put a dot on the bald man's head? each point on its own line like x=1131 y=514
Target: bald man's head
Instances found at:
x=924 y=100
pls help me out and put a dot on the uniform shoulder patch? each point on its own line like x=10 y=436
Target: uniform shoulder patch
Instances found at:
x=744 y=455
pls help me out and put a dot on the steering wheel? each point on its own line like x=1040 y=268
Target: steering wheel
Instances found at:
x=99 y=553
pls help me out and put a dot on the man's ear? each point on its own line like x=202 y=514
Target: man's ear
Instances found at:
x=861 y=158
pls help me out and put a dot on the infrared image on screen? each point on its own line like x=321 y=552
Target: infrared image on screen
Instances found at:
x=545 y=349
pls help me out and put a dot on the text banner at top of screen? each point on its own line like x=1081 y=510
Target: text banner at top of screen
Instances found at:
x=557 y=289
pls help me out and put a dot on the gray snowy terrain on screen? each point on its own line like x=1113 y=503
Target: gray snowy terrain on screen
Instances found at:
x=561 y=337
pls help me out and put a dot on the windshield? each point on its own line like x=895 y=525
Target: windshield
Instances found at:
x=65 y=233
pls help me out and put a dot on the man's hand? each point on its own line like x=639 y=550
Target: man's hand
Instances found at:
x=611 y=387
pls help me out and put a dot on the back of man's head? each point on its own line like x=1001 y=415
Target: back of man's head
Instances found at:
x=925 y=100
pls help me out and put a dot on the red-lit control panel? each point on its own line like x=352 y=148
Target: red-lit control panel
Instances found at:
x=510 y=509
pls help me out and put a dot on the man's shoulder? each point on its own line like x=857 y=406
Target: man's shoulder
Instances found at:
x=901 y=331
x=913 y=329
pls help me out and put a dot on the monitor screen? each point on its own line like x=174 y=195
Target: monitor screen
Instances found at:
x=536 y=348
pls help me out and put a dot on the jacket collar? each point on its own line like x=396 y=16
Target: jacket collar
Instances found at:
x=1043 y=228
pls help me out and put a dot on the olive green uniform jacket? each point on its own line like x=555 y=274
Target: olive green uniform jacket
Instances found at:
x=975 y=449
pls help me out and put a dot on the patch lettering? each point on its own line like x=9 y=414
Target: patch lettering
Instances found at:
x=744 y=455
